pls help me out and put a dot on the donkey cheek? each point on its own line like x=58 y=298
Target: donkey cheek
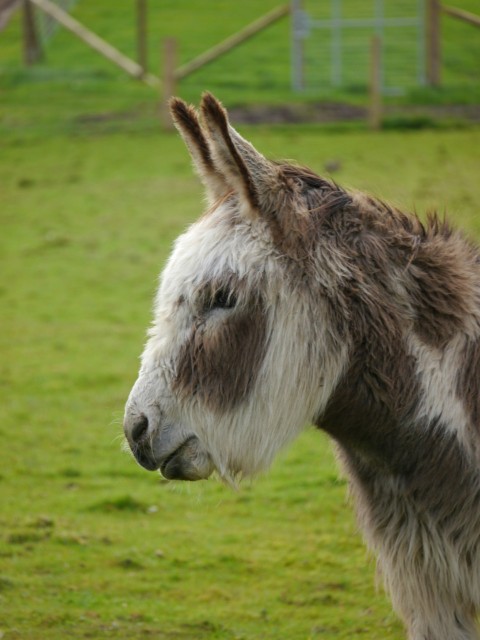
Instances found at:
x=220 y=366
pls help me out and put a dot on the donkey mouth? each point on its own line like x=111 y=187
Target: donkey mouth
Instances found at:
x=188 y=461
x=177 y=466
x=145 y=459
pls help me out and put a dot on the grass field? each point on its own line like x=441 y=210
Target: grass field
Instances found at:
x=91 y=545
x=92 y=195
x=81 y=84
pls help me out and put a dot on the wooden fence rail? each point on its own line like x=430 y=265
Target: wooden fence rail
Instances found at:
x=95 y=42
x=231 y=42
x=465 y=16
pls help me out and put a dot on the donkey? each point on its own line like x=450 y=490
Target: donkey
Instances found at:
x=293 y=301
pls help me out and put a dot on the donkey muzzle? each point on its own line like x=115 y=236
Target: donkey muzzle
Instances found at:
x=178 y=454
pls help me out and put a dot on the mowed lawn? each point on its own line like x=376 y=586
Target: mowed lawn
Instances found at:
x=92 y=546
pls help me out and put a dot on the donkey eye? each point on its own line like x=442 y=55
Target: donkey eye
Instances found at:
x=223 y=299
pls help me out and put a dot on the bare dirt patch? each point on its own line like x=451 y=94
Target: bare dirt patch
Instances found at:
x=326 y=112
x=297 y=113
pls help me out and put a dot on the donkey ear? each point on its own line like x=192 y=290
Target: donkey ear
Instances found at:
x=245 y=169
x=186 y=121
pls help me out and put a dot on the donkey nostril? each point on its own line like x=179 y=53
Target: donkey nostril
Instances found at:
x=140 y=428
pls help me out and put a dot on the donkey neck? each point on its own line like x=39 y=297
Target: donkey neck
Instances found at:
x=372 y=411
x=372 y=415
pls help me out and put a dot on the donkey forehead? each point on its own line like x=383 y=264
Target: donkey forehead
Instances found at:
x=218 y=244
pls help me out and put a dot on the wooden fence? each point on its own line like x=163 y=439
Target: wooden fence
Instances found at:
x=435 y=9
x=94 y=41
x=171 y=75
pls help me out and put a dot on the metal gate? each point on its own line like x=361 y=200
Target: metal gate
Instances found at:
x=331 y=44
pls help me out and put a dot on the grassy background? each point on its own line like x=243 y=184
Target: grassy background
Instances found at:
x=92 y=195
x=81 y=83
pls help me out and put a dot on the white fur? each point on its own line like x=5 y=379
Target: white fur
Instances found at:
x=437 y=371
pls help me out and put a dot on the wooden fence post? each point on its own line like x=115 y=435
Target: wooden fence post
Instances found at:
x=32 y=50
x=298 y=47
x=168 y=79
x=433 y=42
x=142 y=43
x=375 y=111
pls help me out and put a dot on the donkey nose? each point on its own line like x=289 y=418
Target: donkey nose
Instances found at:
x=139 y=428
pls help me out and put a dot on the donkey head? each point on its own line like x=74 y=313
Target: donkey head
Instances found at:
x=237 y=361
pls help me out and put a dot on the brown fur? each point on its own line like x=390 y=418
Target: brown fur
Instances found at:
x=220 y=359
x=442 y=285
x=468 y=384
x=437 y=263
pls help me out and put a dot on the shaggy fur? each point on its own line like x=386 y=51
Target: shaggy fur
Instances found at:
x=293 y=301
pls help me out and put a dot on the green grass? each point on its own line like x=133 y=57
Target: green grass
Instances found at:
x=91 y=545
x=81 y=83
